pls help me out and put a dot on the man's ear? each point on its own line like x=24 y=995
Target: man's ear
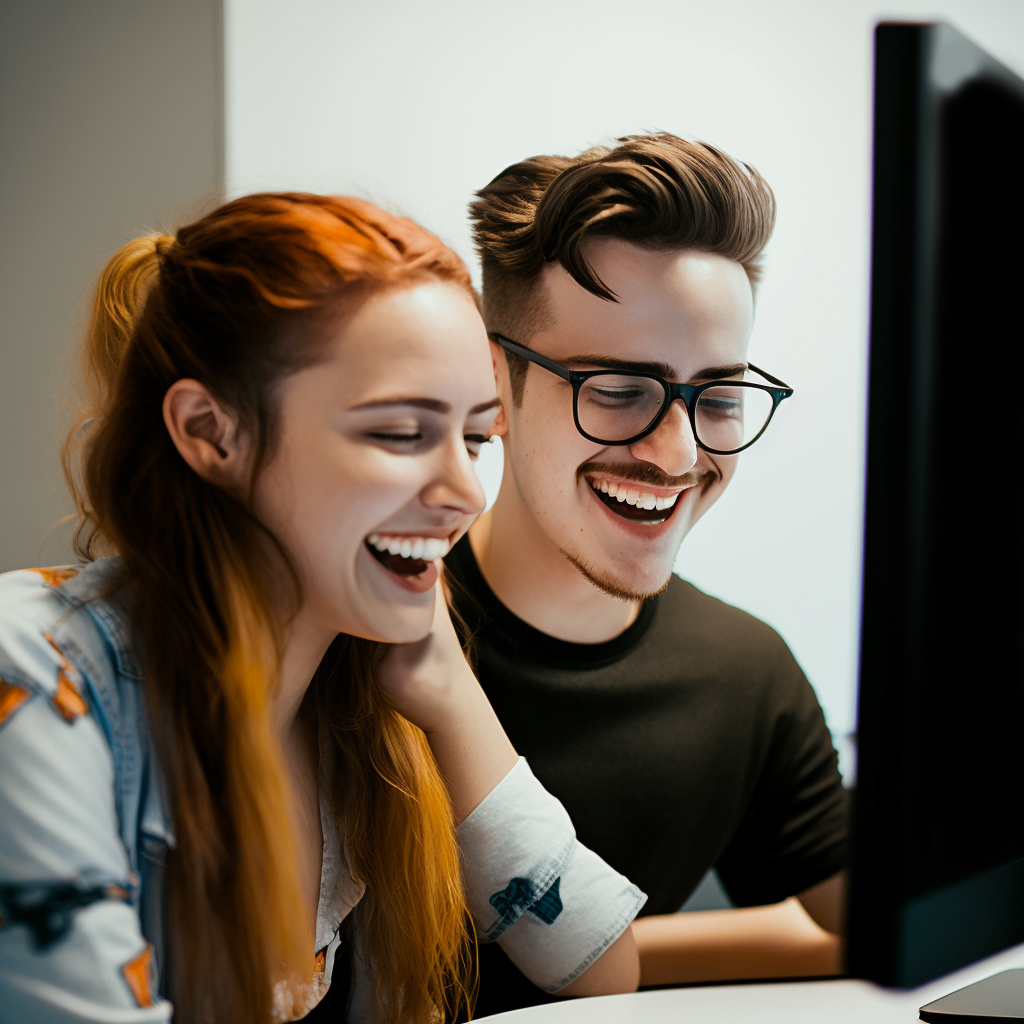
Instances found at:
x=499 y=364
x=205 y=432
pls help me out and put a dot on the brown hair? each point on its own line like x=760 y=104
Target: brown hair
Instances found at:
x=230 y=301
x=657 y=191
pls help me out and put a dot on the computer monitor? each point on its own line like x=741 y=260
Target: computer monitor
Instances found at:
x=937 y=871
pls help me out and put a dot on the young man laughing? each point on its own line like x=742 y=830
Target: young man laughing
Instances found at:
x=679 y=732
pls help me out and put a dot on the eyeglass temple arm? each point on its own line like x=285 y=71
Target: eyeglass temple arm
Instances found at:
x=533 y=357
x=769 y=377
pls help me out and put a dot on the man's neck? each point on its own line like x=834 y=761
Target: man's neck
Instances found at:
x=537 y=583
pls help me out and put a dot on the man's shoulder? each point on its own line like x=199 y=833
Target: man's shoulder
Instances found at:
x=719 y=641
x=685 y=608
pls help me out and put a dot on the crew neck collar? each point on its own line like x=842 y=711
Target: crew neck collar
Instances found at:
x=505 y=625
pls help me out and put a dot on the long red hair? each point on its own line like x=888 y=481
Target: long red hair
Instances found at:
x=232 y=301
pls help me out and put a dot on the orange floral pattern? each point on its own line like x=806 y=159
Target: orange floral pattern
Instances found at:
x=68 y=701
x=11 y=698
x=57 y=575
x=137 y=973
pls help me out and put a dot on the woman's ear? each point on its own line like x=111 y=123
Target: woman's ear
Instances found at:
x=206 y=434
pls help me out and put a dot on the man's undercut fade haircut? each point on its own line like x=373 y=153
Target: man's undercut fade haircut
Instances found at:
x=656 y=191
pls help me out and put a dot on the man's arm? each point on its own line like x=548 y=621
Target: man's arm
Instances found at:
x=826 y=903
x=777 y=941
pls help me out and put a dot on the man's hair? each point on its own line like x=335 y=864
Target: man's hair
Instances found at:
x=656 y=191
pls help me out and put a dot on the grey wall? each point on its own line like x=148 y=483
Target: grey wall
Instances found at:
x=111 y=124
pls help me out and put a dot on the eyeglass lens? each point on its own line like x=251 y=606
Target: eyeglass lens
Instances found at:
x=614 y=407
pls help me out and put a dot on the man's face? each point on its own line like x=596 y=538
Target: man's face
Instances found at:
x=685 y=315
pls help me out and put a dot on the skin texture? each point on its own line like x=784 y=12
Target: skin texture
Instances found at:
x=350 y=462
x=690 y=311
x=562 y=562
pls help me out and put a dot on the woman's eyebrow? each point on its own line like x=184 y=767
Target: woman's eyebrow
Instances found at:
x=433 y=404
x=485 y=406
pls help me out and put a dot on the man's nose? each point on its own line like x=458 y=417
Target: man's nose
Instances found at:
x=671 y=446
x=455 y=484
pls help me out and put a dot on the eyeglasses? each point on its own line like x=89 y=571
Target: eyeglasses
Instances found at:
x=616 y=408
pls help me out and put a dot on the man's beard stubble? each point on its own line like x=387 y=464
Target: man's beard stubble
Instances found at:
x=645 y=473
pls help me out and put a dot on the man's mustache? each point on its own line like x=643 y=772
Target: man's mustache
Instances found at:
x=645 y=473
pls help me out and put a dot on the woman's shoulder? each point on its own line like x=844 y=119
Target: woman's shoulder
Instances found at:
x=54 y=747
x=42 y=611
x=69 y=890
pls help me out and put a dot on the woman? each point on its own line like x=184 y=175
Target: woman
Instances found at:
x=209 y=775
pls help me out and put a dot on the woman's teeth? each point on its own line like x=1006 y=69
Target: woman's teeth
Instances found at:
x=421 y=548
x=633 y=495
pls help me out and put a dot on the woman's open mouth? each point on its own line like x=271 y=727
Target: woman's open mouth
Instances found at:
x=406 y=556
x=632 y=502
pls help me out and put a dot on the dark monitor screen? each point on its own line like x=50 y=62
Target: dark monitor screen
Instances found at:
x=937 y=876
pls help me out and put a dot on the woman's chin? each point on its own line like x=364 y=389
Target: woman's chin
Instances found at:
x=398 y=625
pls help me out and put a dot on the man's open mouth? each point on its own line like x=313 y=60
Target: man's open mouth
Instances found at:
x=632 y=502
x=406 y=556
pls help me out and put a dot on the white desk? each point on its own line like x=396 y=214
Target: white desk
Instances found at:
x=799 y=1002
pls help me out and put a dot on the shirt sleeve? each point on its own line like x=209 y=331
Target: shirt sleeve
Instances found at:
x=551 y=904
x=794 y=832
x=71 y=945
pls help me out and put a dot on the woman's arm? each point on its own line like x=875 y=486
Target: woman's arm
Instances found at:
x=548 y=900
x=433 y=686
x=71 y=946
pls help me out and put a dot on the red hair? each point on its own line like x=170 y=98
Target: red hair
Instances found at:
x=235 y=301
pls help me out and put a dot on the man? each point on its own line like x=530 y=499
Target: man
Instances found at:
x=679 y=732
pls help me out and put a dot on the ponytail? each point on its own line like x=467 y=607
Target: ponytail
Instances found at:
x=119 y=299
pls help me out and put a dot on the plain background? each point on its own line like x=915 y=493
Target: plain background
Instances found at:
x=416 y=105
x=118 y=116
x=111 y=125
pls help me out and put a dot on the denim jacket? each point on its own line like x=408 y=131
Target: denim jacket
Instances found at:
x=85 y=832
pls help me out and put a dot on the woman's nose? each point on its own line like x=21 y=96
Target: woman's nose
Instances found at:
x=456 y=484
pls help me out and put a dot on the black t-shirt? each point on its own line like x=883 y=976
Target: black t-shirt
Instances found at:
x=692 y=740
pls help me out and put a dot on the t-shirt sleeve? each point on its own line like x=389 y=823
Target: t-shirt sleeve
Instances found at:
x=793 y=834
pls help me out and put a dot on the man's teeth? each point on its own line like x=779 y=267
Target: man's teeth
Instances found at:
x=633 y=495
x=423 y=548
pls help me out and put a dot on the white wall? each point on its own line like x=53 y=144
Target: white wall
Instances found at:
x=415 y=105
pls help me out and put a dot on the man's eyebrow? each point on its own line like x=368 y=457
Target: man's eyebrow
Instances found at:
x=719 y=372
x=659 y=369
x=433 y=404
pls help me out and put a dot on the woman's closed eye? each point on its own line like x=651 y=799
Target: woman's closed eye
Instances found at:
x=474 y=442
x=397 y=437
x=410 y=440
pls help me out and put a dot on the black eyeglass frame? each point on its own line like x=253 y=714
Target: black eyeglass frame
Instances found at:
x=689 y=394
